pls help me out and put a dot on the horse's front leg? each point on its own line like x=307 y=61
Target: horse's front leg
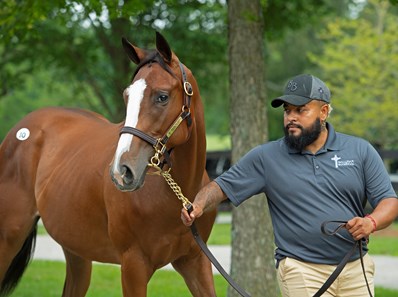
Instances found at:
x=197 y=273
x=136 y=273
x=78 y=275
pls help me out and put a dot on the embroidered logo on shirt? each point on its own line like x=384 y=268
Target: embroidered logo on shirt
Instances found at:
x=338 y=163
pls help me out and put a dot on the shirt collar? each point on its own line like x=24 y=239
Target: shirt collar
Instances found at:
x=332 y=143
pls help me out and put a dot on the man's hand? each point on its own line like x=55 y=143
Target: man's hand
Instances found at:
x=209 y=197
x=188 y=219
x=360 y=227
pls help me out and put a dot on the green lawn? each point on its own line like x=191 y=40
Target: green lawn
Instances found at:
x=45 y=278
x=220 y=235
x=378 y=245
x=385 y=243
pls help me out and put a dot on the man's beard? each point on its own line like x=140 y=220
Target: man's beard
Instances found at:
x=306 y=137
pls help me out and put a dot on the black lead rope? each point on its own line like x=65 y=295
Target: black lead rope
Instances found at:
x=344 y=261
x=212 y=259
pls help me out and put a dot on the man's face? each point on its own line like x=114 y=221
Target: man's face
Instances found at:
x=302 y=124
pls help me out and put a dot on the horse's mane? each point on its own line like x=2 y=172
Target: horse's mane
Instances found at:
x=153 y=56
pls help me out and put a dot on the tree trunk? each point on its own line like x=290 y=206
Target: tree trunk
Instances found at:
x=252 y=237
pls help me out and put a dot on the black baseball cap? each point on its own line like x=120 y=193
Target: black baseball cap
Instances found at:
x=301 y=89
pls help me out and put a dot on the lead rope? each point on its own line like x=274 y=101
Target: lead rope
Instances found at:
x=344 y=261
x=188 y=206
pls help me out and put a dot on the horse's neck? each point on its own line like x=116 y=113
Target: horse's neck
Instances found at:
x=189 y=160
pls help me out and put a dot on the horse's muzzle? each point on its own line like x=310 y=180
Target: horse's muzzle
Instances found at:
x=125 y=180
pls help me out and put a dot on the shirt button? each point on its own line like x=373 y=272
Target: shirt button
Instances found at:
x=317 y=167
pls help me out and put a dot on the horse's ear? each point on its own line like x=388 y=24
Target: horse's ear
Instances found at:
x=131 y=51
x=163 y=48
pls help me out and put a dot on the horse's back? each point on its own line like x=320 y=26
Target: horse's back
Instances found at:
x=43 y=134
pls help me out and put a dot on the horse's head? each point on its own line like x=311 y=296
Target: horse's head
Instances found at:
x=158 y=113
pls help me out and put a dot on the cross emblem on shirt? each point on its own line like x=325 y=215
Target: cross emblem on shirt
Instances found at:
x=335 y=159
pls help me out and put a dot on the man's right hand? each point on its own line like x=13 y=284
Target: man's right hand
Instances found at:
x=209 y=197
x=188 y=219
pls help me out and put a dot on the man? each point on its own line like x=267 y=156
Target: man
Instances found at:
x=311 y=175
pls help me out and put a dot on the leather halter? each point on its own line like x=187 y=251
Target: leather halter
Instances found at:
x=159 y=144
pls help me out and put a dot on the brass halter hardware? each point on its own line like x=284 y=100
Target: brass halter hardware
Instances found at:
x=172 y=184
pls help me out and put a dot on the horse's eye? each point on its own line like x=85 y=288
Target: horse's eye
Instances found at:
x=162 y=98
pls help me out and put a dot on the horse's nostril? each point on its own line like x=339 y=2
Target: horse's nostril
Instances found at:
x=127 y=175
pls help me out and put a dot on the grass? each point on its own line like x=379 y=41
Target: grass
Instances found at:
x=378 y=245
x=385 y=242
x=220 y=235
x=45 y=278
x=383 y=246
x=382 y=292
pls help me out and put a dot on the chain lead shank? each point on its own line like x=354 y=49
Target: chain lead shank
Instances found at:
x=172 y=184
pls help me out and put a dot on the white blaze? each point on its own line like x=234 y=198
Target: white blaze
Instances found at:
x=135 y=94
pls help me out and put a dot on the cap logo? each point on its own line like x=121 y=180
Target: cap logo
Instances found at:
x=292 y=86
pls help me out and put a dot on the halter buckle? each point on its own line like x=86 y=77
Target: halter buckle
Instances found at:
x=188 y=88
x=159 y=147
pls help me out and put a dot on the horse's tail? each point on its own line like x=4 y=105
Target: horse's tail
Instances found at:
x=19 y=263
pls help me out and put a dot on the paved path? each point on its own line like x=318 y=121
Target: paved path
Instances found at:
x=386 y=267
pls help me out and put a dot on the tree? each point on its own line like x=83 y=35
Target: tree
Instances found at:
x=360 y=62
x=252 y=244
x=81 y=42
x=253 y=264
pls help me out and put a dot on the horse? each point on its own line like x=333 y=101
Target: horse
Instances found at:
x=88 y=180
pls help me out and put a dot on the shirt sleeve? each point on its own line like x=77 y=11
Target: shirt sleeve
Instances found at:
x=244 y=179
x=378 y=182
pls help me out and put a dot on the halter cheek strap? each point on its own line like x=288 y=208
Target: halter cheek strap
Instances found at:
x=188 y=92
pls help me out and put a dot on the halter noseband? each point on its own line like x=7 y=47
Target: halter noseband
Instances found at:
x=159 y=144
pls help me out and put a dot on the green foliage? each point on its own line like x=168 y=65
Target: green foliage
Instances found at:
x=216 y=142
x=41 y=90
x=81 y=43
x=281 y=16
x=359 y=63
x=78 y=44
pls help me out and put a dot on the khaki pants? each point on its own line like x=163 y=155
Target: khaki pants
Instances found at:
x=301 y=279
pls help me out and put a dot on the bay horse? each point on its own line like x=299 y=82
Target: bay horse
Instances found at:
x=86 y=178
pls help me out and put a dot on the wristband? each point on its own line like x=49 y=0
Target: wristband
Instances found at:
x=373 y=222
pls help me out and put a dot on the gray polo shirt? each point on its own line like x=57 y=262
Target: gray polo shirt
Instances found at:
x=305 y=189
